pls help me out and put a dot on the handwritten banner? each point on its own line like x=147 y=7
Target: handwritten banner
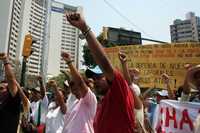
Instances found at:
x=153 y=60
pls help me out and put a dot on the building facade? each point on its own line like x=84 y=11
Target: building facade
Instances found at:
x=121 y=36
x=35 y=14
x=62 y=37
x=187 y=30
x=11 y=17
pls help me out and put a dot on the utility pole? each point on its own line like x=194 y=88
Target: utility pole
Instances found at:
x=27 y=51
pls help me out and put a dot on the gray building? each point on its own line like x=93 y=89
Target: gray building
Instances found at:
x=121 y=36
x=187 y=30
x=62 y=37
x=11 y=17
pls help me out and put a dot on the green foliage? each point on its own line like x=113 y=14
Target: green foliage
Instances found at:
x=88 y=59
x=60 y=79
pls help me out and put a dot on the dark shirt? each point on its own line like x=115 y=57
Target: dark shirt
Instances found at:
x=9 y=112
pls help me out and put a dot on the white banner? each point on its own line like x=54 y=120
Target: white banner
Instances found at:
x=175 y=117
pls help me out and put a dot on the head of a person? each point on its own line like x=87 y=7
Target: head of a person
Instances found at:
x=35 y=94
x=3 y=86
x=161 y=95
x=56 y=98
x=100 y=83
x=195 y=77
x=89 y=82
x=134 y=73
x=75 y=88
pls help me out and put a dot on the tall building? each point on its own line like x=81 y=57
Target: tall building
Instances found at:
x=62 y=37
x=186 y=30
x=21 y=17
x=34 y=21
x=11 y=17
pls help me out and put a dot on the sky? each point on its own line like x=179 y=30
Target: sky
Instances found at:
x=150 y=17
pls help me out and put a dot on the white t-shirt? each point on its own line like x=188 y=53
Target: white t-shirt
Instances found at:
x=71 y=102
x=54 y=119
x=44 y=109
x=80 y=118
x=135 y=88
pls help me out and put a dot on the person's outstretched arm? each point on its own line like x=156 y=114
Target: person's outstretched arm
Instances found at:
x=165 y=78
x=75 y=74
x=59 y=96
x=10 y=78
x=42 y=87
x=95 y=47
x=123 y=59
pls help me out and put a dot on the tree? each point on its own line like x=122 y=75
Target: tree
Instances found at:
x=88 y=59
x=61 y=78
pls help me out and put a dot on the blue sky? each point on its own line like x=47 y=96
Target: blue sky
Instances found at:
x=150 y=17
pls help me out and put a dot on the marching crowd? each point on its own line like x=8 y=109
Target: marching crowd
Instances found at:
x=104 y=101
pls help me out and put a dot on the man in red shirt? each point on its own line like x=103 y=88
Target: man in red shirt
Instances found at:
x=115 y=112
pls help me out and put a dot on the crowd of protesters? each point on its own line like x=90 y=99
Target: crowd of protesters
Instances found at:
x=120 y=108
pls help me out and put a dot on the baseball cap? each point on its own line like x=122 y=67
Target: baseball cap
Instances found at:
x=163 y=93
x=90 y=72
x=37 y=89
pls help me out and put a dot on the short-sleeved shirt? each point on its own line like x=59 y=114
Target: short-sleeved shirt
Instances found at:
x=54 y=119
x=80 y=118
x=115 y=113
x=9 y=113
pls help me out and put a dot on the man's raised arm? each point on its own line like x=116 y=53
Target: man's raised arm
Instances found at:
x=10 y=78
x=95 y=47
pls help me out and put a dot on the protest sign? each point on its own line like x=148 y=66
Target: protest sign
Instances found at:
x=153 y=60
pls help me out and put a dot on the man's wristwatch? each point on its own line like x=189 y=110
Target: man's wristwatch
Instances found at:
x=84 y=34
x=6 y=61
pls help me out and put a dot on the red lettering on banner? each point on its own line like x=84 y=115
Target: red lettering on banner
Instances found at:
x=186 y=120
x=170 y=117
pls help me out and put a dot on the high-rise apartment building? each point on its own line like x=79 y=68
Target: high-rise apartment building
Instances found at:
x=35 y=14
x=62 y=37
x=11 y=17
x=46 y=22
x=21 y=17
x=186 y=30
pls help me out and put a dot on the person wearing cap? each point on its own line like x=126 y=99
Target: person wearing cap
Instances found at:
x=115 y=110
x=9 y=99
x=192 y=80
x=56 y=110
x=79 y=117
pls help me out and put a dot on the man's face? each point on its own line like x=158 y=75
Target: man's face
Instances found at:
x=101 y=84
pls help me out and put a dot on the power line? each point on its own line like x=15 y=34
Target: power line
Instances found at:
x=126 y=18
